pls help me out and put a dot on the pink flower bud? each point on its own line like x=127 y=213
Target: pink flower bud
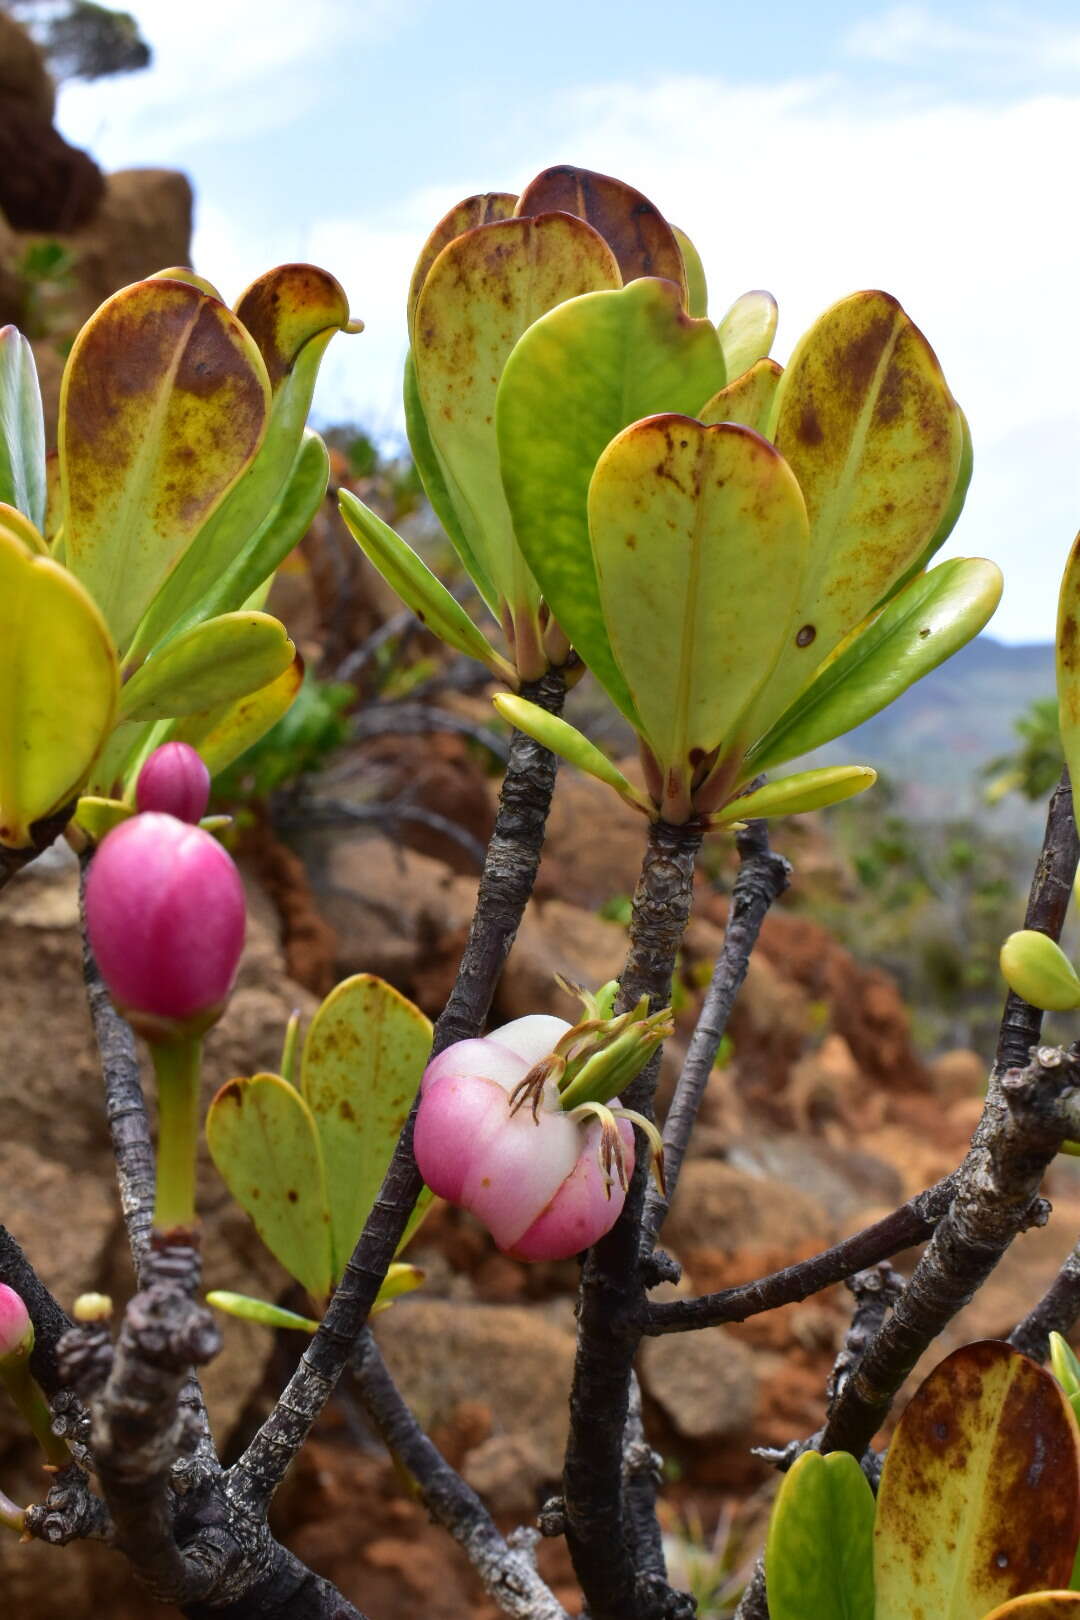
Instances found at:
x=16 y=1328
x=175 y=780
x=536 y=1183
x=165 y=915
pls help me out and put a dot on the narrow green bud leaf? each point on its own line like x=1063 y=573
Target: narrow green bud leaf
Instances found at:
x=792 y=795
x=1064 y=1365
x=566 y=741
x=259 y=1310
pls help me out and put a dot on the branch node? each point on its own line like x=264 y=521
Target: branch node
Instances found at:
x=552 y=1519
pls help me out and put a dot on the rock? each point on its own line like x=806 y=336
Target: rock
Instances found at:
x=558 y=938
x=510 y=1359
x=594 y=843
x=706 y=1383
x=958 y=1076
x=729 y=1225
x=843 y=1181
x=45 y=184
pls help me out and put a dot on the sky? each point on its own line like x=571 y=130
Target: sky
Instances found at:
x=931 y=150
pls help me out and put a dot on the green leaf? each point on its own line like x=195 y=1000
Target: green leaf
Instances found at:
x=575 y=380
x=418 y=587
x=641 y=239
x=793 y=795
x=566 y=741
x=263 y=1139
x=929 y=620
x=261 y=1311
x=22 y=429
x=363 y=1057
x=699 y=536
x=97 y=816
x=1037 y=970
x=749 y=399
x=483 y=209
x=58 y=688
x=19 y=527
x=226 y=731
x=874 y=437
x=980 y=1496
x=216 y=662
x=483 y=291
x=182 y=272
x=163 y=408
x=819 y=1552
x=1064 y=1365
x=291 y=313
x=697 y=290
x=747 y=330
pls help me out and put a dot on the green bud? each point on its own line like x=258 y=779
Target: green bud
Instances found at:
x=1038 y=970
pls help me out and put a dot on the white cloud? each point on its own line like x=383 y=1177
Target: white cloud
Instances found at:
x=909 y=35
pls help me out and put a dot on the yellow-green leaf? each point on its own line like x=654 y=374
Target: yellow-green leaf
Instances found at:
x=417 y=586
x=819 y=1552
x=483 y=209
x=928 y=621
x=363 y=1057
x=247 y=1309
x=794 y=795
x=747 y=330
x=183 y=272
x=640 y=237
x=1039 y=1606
x=264 y=1142
x=874 y=437
x=980 y=1495
x=216 y=662
x=697 y=290
x=575 y=380
x=58 y=688
x=163 y=407
x=1037 y=969
x=1064 y=1365
x=19 y=527
x=483 y=291
x=97 y=816
x=749 y=399
x=566 y=741
x=22 y=429
x=699 y=535
x=401 y=1278
x=226 y=731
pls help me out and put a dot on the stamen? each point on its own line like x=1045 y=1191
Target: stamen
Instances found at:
x=655 y=1140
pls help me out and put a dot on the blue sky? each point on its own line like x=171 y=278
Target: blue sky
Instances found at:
x=931 y=150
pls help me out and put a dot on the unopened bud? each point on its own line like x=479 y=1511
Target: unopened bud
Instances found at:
x=16 y=1328
x=176 y=781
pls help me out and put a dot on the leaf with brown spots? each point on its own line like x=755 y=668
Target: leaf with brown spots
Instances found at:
x=641 y=239
x=292 y=313
x=163 y=407
x=363 y=1057
x=483 y=209
x=484 y=290
x=58 y=687
x=1068 y=661
x=747 y=331
x=263 y=1140
x=748 y=400
x=22 y=429
x=819 y=1553
x=980 y=1495
x=1040 y=1606
x=576 y=379
x=875 y=439
x=699 y=535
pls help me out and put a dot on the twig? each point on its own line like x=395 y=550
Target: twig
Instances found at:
x=510 y=868
x=1057 y=1312
x=385 y=813
x=508 y=1574
x=763 y=877
x=612 y=1285
x=912 y=1223
x=876 y=1291
x=406 y=719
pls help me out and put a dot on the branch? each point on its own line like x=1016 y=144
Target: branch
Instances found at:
x=1057 y=1312
x=876 y=1291
x=912 y=1223
x=510 y=868
x=508 y=1574
x=763 y=877
x=612 y=1286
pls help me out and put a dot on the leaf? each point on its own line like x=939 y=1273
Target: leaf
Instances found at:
x=401 y=1278
x=363 y=1057
x=181 y=272
x=483 y=291
x=1064 y=1365
x=216 y=662
x=874 y=437
x=483 y=209
x=819 y=1553
x=97 y=816
x=19 y=527
x=951 y=515
x=261 y=1311
x=1037 y=969
x=749 y=399
x=794 y=795
x=566 y=741
x=292 y=313
x=1068 y=661
x=418 y=587
x=1039 y=1606
x=932 y=618
x=163 y=407
x=223 y=733
x=699 y=536
x=697 y=290
x=980 y=1496
x=22 y=428
x=266 y=1147
x=747 y=331
x=575 y=380
x=58 y=688
x=641 y=239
